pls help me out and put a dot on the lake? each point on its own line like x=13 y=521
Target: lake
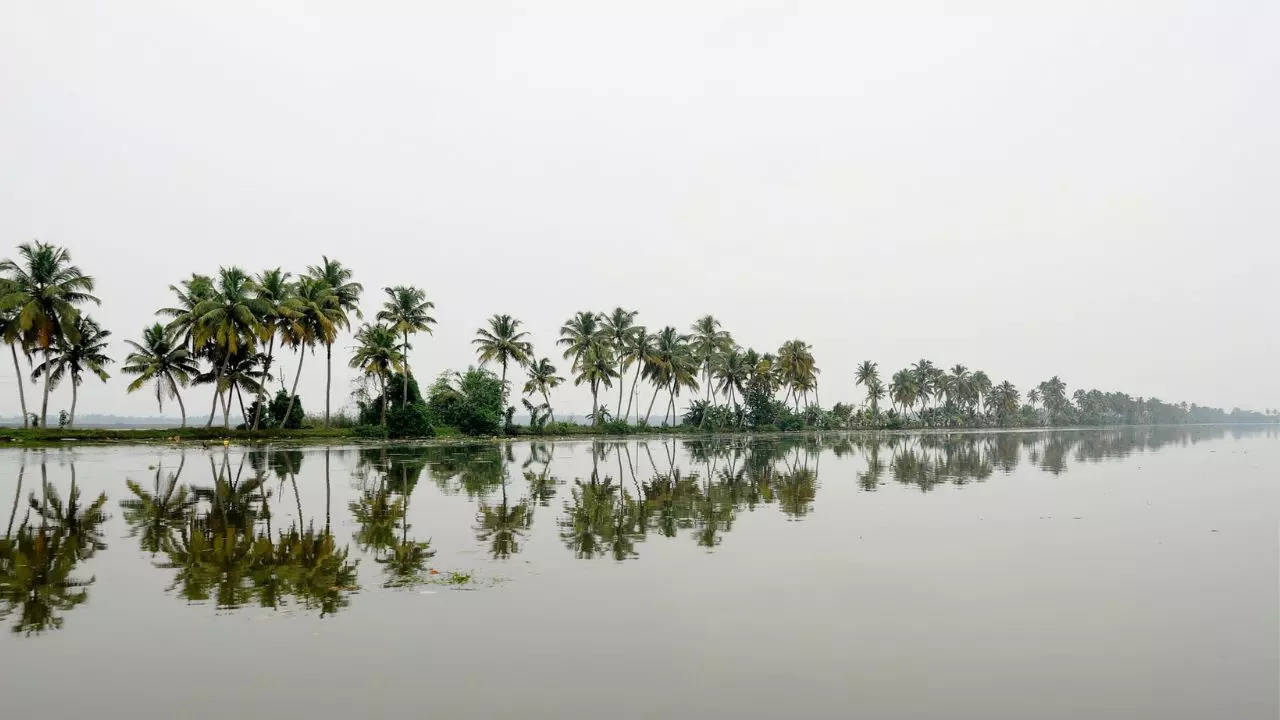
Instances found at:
x=1114 y=573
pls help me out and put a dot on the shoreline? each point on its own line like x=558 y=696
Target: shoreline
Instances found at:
x=23 y=437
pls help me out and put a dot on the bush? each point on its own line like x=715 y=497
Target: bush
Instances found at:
x=370 y=409
x=470 y=401
x=369 y=431
x=273 y=416
x=411 y=421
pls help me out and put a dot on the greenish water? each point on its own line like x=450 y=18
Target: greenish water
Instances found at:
x=1106 y=573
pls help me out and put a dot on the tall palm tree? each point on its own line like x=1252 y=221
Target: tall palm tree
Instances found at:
x=228 y=321
x=319 y=316
x=708 y=342
x=619 y=328
x=904 y=390
x=182 y=316
x=86 y=353
x=875 y=391
x=378 y=353
x=504 y=342
x=596 y=368
x=279 y=319
x=406 y=311
x=1053 y=395
x=578 y=333
x=668 y=344
x=980 y=384
x=542 y=378
x=45 y=289
x=731 y=374
x=347 y=298
x=161 y=359
x=797 y=369
x=638 y=350
x=926 y=377
x=867 y=375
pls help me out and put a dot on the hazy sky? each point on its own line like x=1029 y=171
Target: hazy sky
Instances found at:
x=1083 y=189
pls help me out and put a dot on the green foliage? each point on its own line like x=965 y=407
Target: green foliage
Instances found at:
x=411 y=421
x=470 y=401
x=369 y=431
x=274 y=417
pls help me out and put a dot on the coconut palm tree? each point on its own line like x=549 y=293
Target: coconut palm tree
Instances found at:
x=542 y=378
x=319 y=315
x=638 y=351
x=867 y=375
x=926 y=377
x=182 y=316
x=708 y=342
x=87 y=353
x=228 y=321
x=980 y=386
x=161 y=359
x=377 y=353
x=279 y=319
x=596 y=368
x=667 y=345
x=620 y=327
x=731 y=374
x=578 y=333
x=797 y=369
x=12 y=334
x=1053 y=395
x=875 y=391
x=45 y=289
x=904 y=389
x=347 y=299
x=406 y=311
x=504 y=342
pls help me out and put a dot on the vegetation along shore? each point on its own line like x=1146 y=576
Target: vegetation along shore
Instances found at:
x=245 y=337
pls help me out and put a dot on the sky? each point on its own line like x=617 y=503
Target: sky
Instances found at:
x=1083 y=189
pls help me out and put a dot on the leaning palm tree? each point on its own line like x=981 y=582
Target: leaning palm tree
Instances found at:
x=731 y=374
x=619 y=327
x=542 y=378
x=319 y=315
x=44 y=290
x=161 y=359
x=347 y=299
x=87 y=353
x=504 y=342
x=406 y=311
x=377 y=353
x=867 y=375
x=228 y=321
x=279 y=319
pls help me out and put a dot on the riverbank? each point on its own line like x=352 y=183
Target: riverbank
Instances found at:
x=27 y=437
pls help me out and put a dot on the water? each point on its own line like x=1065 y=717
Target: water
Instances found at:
x=1115 y=573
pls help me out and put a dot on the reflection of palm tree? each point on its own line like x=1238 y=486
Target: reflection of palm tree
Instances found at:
x=156 y=514
x=36 y=578
x=502 y=526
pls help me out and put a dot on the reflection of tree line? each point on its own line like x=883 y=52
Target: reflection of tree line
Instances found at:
x=225 y=540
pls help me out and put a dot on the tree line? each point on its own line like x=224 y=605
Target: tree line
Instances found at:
x=228 y=329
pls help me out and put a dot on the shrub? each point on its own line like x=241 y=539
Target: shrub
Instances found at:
x=411 y=421
x=470 y=401
x=369 y=431
x=273 y=416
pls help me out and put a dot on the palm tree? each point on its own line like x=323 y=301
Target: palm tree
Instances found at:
x=596 y=368
x=378 y=354
x=731 y=374
x=405 y=310
x=796 y=368
x=12 y=335
x=619 y=328
x=926 y=377
x=875 y=391
x=73 y=357
x=44 y=290
x=229 y=321
x=980 y=386
x=503 y=341
x=904 y=389
x=708 y=342
x=160 y=359
x=868 y=375
x=347 y=299
x=1053 y=394
x=669 y=344
x=182 y=317
x=578 y=333
x=542 y=377
x=319 y=315
x=279 y=319
x=638 y=350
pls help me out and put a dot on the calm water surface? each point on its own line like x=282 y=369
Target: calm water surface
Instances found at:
x=1116 y=573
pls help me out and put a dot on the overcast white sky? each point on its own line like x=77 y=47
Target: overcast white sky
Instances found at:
x=1085 y=189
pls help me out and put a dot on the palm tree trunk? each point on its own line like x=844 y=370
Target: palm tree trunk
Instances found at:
x=44 y=406
x=294 y=393
x=75 y=395
x=547 y=400
x=262 y=387
x=181 y=407
x=226 y=408
x=17 y=494
x=240 y=398
x=217 y=391
x=504 y=385
x=404 y=402
x=383 y=381
x=632 y=395
x=595 y=403
x=656 y=388
x=621 y=370
x=328 y=379
x=22 y=393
